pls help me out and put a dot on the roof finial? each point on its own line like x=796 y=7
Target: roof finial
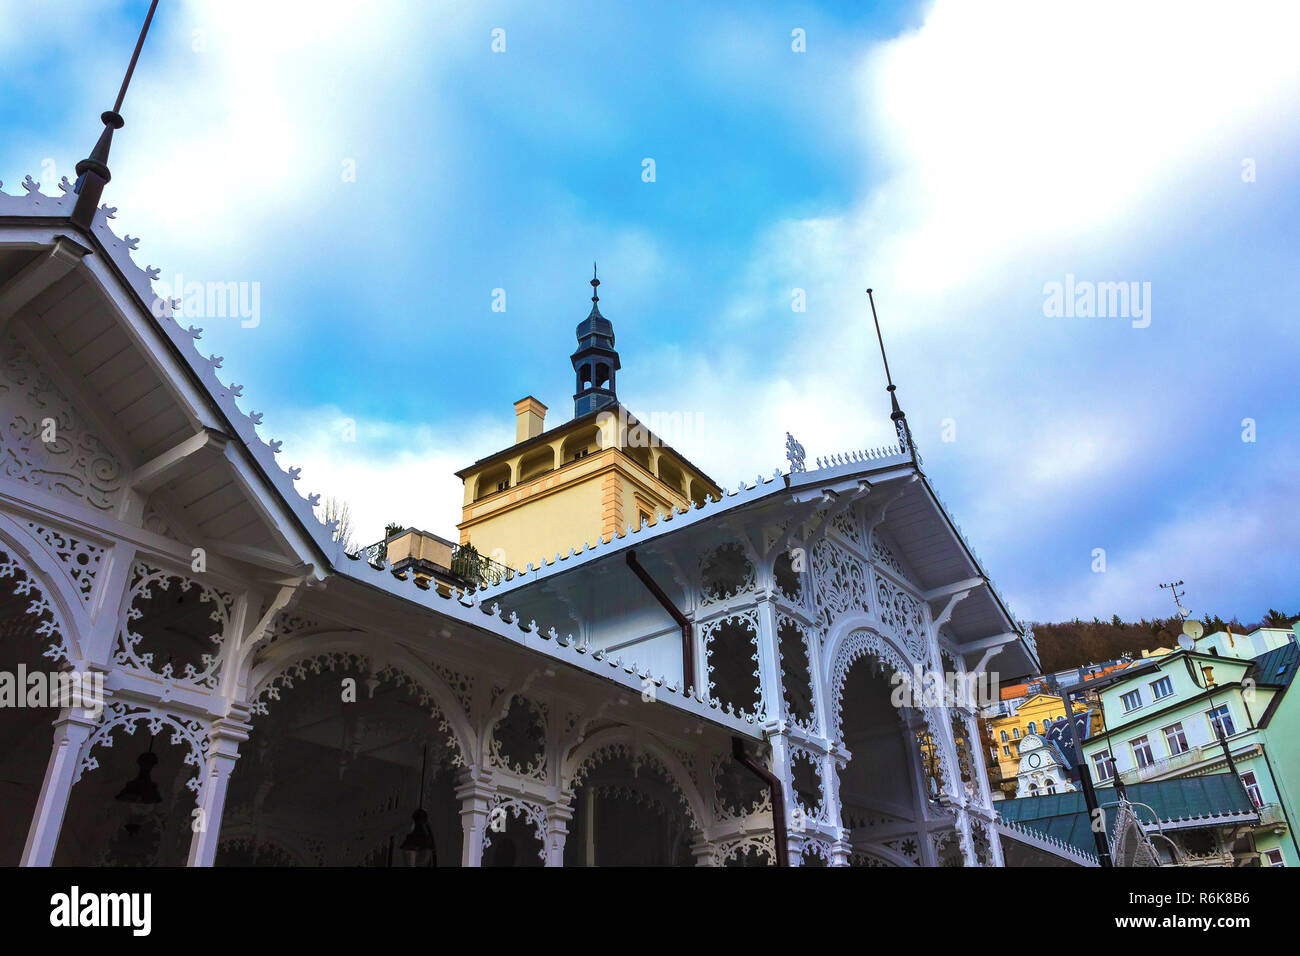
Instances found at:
x=595 y=283
x=899 y=419
x=92 y=172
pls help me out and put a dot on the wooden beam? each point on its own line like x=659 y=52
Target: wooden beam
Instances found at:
x=970 y=584
x=158 y=471
x=986 y=642
x=38 y=275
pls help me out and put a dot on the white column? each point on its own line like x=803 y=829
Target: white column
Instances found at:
x=703 y=852
x=71 y=731
x=557 y=831
x=223 y=752
x=475 y=796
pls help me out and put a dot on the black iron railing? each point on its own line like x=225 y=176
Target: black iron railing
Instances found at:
x=476 y=569
x=467 y=563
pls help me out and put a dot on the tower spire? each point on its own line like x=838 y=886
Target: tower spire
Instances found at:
x=595 y=361
x=896 y=415
x=92 y=172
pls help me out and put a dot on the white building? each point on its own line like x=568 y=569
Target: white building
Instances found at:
x=271 y=700
x=1042 y=770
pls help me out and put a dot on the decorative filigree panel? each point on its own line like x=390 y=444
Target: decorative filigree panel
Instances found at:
x=756 y=849
x=725 y=572
x=272 y=687
x=186 y=732
x=533 y=814
x=796 y=675
x=846 y=524
x=148 y=586
x=908 y=847
x=638 y=761
x=45 y=442
x=46 y=624
x=731 y=654
x=80 y=559
x=840 y=582
x=788 y=570
x=901 y=613
x=737 y=793
x=815 y=853
x=881 y=554
x=806 y=778
x=519 y=739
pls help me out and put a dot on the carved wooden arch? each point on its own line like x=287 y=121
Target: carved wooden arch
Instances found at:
x=854 y=636
x=588 y=754
x=47 y=576
x=850 y=644
x=348 y=646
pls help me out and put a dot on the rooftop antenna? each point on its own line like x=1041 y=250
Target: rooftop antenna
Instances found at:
x=1191 y=629
x=92 y=172
x=899 y=419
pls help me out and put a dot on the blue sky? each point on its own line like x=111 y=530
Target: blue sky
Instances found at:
x=955 y=158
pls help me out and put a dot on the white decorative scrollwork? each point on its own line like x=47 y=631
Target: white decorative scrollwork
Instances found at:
x=518 y=741
x=881 y=554
x=80 y=559
x=45 y=442
x=902 y=614
x=841 y=582
x=638 y=760
x=188 y=732
x=48 y=624
x=533 y=814
x=725 y=573
x=129 y=652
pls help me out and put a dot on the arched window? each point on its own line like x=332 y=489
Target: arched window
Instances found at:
x=1032 y=725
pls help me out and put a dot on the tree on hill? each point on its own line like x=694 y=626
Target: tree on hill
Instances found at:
x=1074 y=643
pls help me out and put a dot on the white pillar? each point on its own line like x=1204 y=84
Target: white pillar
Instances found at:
x=557 y=830
x=703 y=851
x=223 y=751
x=475 y=797
x=71 y=731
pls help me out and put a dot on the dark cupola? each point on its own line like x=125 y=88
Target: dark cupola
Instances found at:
x=595 y=360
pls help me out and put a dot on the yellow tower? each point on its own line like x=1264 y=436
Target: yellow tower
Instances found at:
x=583 y=481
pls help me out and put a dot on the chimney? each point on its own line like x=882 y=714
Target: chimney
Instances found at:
x=530 y=414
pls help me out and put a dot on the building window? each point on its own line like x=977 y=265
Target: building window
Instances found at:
x=1015 y=732
x=1274 y=857
x=1221 y=720
x=1162 y=688
x=1176 y=739
x=1032 y=725
x=1252 y=787
x=1142 y=751
x=1006 y=750
x=1004 y=737
x=1103 y=766
x=1132 y=700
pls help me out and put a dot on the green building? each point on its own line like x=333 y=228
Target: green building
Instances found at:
x=1221 y=706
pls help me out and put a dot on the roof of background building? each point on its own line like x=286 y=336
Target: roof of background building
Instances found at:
x=1278 y=666
x=1185 y=802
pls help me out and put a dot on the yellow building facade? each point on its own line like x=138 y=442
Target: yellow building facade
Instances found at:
x=1008 y=730
x=583 y=481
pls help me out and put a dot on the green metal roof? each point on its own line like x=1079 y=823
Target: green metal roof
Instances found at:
x=1182 y=800
x=1278 y=666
